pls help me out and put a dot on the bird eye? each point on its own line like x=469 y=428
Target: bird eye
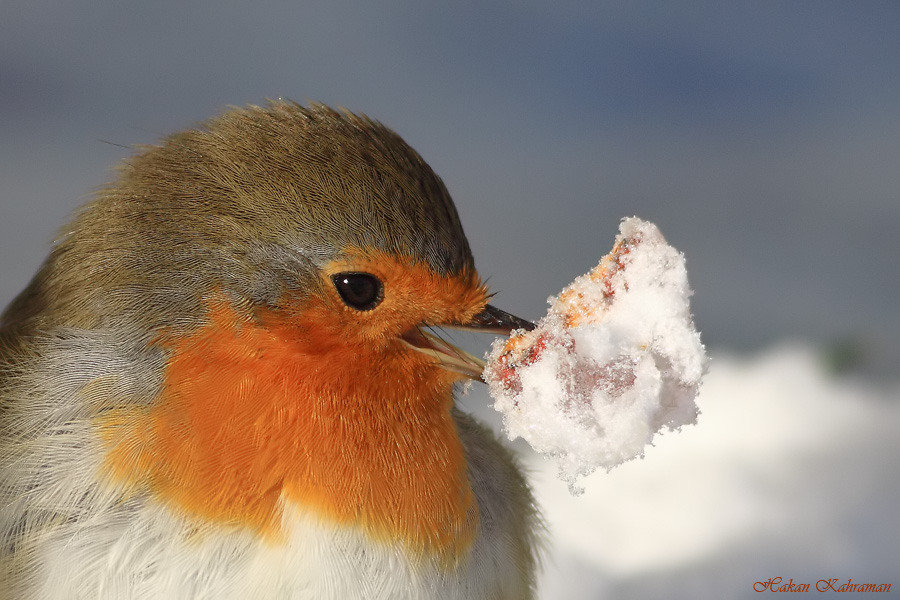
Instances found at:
x=359 y=290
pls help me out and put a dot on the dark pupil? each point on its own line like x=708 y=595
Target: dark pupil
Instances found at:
x=359 y=290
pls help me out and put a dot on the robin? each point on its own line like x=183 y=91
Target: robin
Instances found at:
x=221 y=383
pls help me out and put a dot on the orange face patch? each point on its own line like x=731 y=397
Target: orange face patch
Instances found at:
x=413 y=294
x=315 y=404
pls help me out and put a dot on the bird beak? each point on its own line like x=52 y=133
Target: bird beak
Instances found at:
x=453 y=358
x=494 y=320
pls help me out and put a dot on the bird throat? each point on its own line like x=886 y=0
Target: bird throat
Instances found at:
x=252 y=422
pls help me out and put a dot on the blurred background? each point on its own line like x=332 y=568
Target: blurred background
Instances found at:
x=762 y=137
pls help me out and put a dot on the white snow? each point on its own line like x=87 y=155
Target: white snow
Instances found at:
x=792 y=473
x=615 y=360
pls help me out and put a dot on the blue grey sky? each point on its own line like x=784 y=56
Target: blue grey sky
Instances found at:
x=762 y=137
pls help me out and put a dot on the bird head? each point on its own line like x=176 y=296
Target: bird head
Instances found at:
x=277 y=268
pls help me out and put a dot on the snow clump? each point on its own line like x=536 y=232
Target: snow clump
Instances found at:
x=615 y=360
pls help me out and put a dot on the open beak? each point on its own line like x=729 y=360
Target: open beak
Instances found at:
x=494 y=320
x=453 y=358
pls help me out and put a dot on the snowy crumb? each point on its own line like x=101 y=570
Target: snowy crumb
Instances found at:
x=615 y=360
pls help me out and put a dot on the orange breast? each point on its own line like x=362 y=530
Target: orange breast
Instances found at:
x=253 y=412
